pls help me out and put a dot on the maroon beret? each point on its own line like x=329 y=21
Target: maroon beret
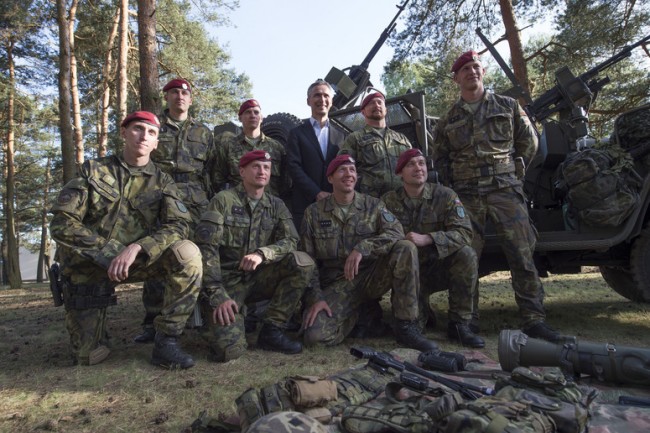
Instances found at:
x=254 y=155
x=467 y=56
x=405 y=157
x=338 y=161
x=143 y=116
x=248 y=104
x=177 y=83
x=370 y=97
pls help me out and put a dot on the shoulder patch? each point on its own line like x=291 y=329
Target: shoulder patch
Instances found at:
x=389 y=217
x=204 y=232
x=181 y=206
x=460 y=211
x=66 y=196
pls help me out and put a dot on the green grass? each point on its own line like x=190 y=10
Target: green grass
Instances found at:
x=40 y=390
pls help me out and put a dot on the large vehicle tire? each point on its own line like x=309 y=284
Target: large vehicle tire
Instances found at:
x=278 y=125
x=633 y=281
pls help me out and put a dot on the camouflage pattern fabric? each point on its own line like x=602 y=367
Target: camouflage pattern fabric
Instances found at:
x=450 y=263
x=231 y=228
x=329 y=234
x=507 y=211
x=376 y=158
x=474 y=151
x=286 y=422
x=231 y=148
x=188 y=155
x=109 y=207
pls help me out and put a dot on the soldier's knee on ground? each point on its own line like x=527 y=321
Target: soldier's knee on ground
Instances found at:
x=228 y=353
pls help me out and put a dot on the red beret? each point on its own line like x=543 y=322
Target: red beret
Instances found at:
x=405 y=157
x=370 y=97
x=254 y=155
x=248 y=104
x=467 y=56
x=143 y=116
x=338 y=161
x=177 y=83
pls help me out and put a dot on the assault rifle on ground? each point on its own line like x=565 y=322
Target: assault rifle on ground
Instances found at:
x=383 y=362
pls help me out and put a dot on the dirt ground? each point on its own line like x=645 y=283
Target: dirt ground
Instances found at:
x=40 y=389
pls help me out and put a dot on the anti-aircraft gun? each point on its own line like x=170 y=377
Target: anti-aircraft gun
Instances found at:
x=566 y=242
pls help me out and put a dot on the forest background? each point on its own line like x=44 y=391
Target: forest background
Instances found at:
x=70 y=69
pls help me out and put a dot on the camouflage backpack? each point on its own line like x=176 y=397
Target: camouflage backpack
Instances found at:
x=599 y=185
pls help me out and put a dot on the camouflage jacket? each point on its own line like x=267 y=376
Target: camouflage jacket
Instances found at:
x=438 y=213
x=229 y=230
x=376 y=158
x=112 y=205
x=474 y=152
x=188 y=155
x=329 y=235
x=233 y=147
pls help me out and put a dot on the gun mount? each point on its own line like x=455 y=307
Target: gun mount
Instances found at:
x=348 y=87
x=564 y=244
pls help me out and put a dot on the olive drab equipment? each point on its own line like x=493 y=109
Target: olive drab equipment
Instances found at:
x=606 y=362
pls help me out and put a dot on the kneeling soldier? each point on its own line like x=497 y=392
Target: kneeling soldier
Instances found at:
x=248 y=242
x=361 y=254
x=435 y=221
x=121 y=221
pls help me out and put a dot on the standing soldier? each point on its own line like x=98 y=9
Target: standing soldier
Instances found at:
x=435 y=221
x=481 y=148
x=361 y=254
x=233 y=147
x=312 y=145
x=248 y=243
x=185 y=152
x=123 y=221
x=375 y=148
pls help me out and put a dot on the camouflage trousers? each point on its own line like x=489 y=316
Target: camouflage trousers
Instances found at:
x=153 y=289
x=180 y=268
x=397 y=271
x=457 y=274
x=283 y=283
x=507 y=211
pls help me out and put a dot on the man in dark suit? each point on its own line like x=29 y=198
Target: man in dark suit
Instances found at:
x=311 y=147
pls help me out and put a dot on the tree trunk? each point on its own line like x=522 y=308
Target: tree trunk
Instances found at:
x=43 y=254
x=514 y=41
x=12 y=260
x=102 y=136
x=65 y=121
x=76 y=109
x=122 y=61
x=149 y=99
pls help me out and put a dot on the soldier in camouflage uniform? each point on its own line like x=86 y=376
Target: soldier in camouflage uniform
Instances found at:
x=185 y=152
x=361 y=254
x=248 y=242
x=375 y=148
x=481 y=147
x=435 y=221
x=232 y=147
x=123 y=221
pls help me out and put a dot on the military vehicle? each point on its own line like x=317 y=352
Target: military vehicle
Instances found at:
x=565 y=244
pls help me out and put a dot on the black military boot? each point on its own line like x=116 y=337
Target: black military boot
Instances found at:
x=462 y=333
x=168 y=354
x=273 y=338
x=542 y=331
x=147 y=335
x=408 y=334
